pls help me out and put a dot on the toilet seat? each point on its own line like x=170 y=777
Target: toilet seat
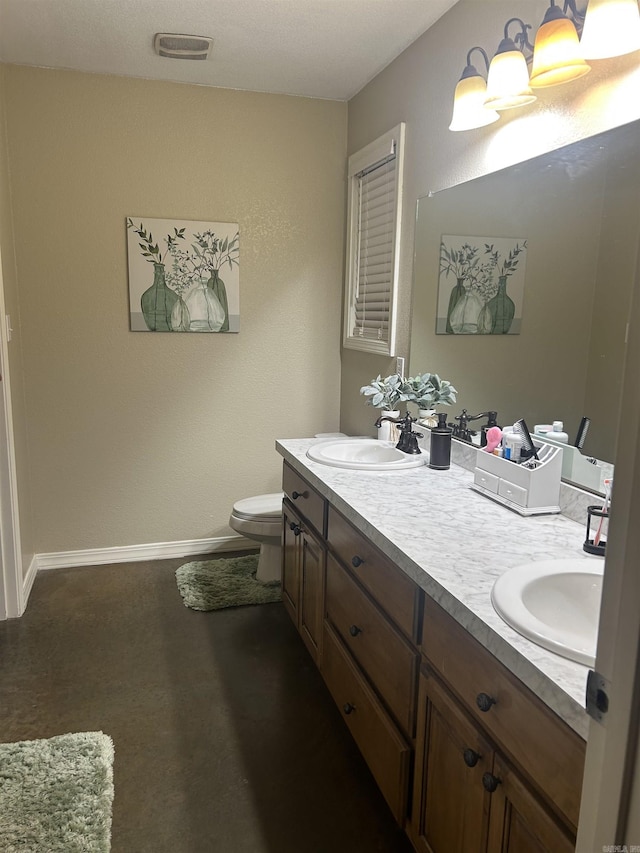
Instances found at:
x=260 y=508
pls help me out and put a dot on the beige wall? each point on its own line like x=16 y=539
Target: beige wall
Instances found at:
x=418 y=88
x=136 y=437
x=16 y=375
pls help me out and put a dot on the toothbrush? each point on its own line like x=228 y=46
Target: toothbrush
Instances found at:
x=608 y=483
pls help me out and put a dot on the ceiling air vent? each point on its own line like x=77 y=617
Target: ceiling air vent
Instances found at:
x=175 y=46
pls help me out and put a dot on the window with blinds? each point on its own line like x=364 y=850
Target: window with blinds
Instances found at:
x=375 y=204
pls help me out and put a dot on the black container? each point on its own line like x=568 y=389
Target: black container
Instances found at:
x=597 y=512
x=440 y=447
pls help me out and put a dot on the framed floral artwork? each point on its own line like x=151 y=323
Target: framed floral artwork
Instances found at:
x=481 y=285
x=184 y=276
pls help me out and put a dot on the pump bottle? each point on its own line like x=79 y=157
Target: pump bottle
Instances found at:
x=440 y=447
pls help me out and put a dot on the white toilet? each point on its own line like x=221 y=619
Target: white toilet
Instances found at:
x=260 y=518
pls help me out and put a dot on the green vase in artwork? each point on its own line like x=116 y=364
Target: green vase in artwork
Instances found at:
x=500 y=309
x=157 y=302
x=456 y=295
x=217 y=286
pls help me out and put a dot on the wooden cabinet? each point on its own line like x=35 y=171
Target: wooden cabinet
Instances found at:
x=371 y=660
x=384 y=749
x=496 y=771
x=468 y=759
x=303 y=562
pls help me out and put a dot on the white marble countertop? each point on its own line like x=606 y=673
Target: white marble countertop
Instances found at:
x=454 y=543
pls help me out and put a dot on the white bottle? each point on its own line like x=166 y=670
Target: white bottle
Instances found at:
x=557 y=433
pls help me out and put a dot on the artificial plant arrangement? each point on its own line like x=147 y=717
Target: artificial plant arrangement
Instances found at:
x=387 y=393
x=426 y=390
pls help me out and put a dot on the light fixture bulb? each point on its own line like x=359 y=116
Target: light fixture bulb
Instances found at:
x=508 y=79
x=611 y=28
x=469 y=110
x=556 y=55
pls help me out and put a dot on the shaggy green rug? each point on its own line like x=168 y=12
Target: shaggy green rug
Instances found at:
x=56 y=794
x=225 y=582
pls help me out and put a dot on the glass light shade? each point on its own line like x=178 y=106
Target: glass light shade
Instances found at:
x=469 y=110
x=611 y=28
x=556 y=54
x=508 y=81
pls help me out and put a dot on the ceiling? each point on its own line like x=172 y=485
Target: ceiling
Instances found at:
x=314 y=48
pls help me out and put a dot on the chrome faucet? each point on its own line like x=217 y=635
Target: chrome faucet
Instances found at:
x=408 y=442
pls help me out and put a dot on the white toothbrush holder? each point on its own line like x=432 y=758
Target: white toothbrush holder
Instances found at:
x=527 y=490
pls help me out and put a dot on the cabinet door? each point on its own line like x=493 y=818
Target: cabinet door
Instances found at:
x=518 y=822
x=311 y=581
x=450 y=804
x=291 y=533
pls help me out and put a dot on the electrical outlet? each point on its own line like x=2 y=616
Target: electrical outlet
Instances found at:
x=400 y=366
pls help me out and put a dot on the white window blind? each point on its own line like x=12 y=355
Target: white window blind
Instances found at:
x=372 y=259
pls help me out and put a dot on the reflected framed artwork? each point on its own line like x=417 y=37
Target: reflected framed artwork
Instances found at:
x=480 y=285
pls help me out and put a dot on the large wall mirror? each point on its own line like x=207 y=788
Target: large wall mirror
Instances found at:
x=578 y=208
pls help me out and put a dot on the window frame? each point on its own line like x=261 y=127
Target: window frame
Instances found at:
x=360 y=162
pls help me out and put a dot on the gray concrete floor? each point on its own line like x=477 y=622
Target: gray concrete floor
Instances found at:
x=226 y=738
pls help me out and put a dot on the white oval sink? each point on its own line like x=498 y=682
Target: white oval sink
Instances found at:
x=555 y=603
x=364 y=454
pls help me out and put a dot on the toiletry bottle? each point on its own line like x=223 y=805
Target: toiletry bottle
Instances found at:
x=440 y=448
x=557 y=433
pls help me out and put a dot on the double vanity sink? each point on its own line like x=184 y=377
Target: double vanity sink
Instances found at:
x=554 y=603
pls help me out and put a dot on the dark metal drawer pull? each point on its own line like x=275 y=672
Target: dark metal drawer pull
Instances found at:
x=356 y=561
x=296 y=495
x=484 y=702
x=354 y=630
x=490 y=782
x=471 y=757
x=348 y=708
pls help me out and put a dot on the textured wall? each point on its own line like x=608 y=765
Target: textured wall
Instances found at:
x=137 y=437
x=418 y=88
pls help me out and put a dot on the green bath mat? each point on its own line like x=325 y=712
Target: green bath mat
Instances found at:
x=225 y=582
x=56 y=794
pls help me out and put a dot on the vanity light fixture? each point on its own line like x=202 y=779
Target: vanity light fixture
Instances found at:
x=508 y=78
x=611 y=28
x=469 y=110
x=557 y=55
x=565 y=39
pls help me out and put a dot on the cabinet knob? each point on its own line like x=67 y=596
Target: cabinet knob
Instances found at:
x=356 y=561
x=484 y=702
x=297 y=530
x=354 y=630
x=490 y=782
x=471 y=757
x=348 y=708
x=296 y=495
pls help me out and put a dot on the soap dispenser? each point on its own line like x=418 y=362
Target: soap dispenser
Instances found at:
x=440 y=446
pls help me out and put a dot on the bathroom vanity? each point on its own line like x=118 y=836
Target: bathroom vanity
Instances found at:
x=475 y=736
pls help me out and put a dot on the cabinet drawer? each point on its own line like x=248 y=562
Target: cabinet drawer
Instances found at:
x=382 y=746
x=304 y=497
x=513 y=493
x=390 y=663
x=486 y=480
x=393 y=590
x=547 y=751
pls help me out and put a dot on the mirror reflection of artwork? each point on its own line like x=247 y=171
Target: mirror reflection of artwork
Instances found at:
x=183 y=275
x=481 y=285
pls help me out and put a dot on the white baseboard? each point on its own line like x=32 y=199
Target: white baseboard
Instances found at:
x=135 y=553
x=27 y=582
